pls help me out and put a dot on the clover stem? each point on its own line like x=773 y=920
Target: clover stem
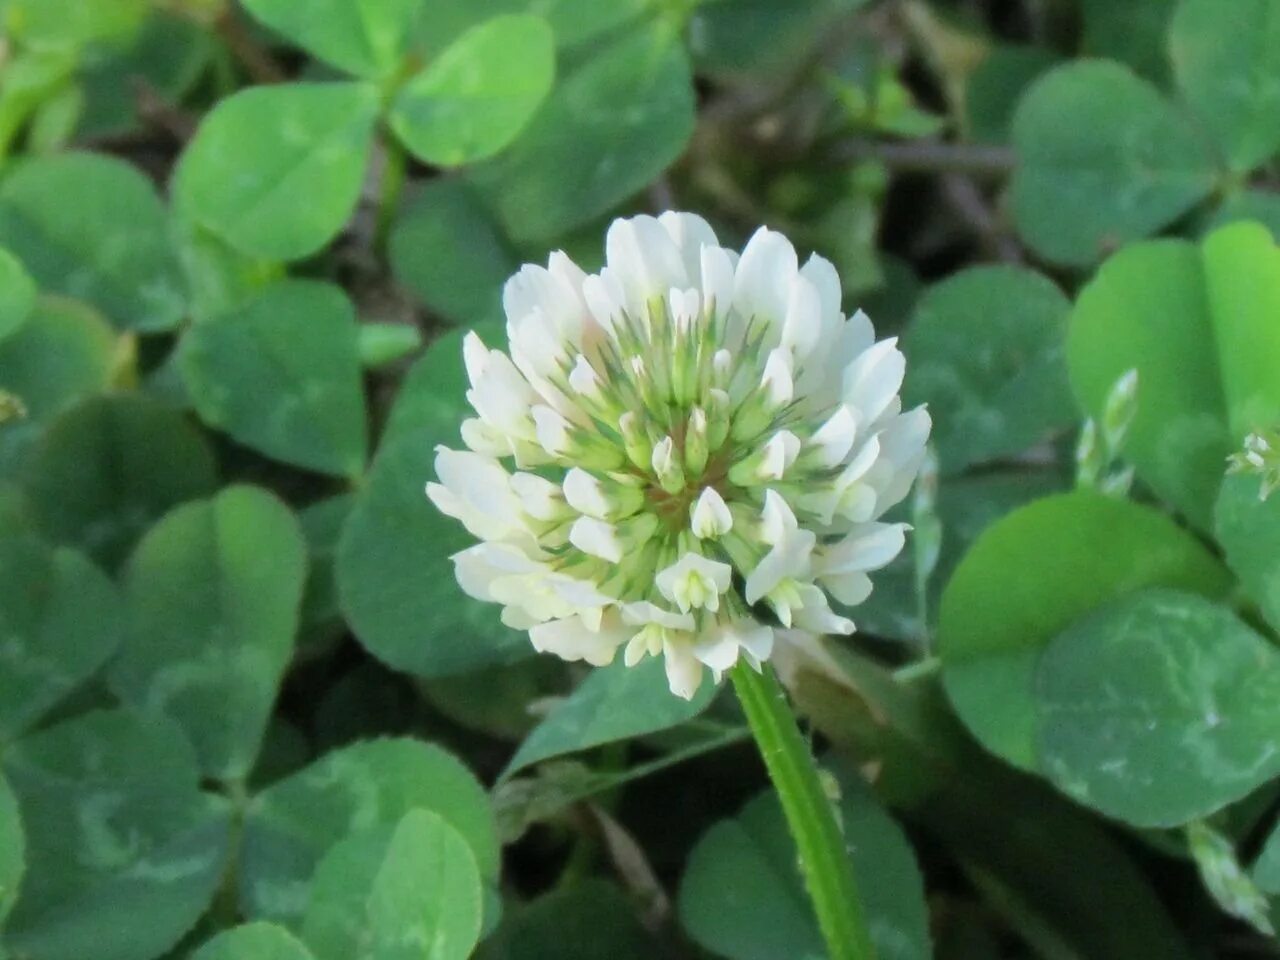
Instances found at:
x=393 y=176
x=824 y=862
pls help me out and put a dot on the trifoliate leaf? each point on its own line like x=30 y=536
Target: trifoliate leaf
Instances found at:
x=214 y=590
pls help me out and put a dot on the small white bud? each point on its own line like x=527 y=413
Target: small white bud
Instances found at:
x=583 y=378
x=710 y=516
x=695 y=442
x=666 y=464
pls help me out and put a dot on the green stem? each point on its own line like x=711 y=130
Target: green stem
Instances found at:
x=828 y=874
x=393 y=176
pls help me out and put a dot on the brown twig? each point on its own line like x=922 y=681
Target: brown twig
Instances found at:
x=157 y=112
x=257 y=62
x=968 y=201
x=929 y=156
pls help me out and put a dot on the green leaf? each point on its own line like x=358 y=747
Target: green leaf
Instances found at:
x=281 y=374
x=276 y=170
x=220 y=277
x=577 y=21
x=170 y=54
x=291 y=825
x=1248 y=528
x=366 y=37
x=63 y=352
x=93 y=228
x=61 y=619
x=408 y=892
x=395 y=580
x=322 y=524
x=1132 y=32
x=742 y=897
x=1031 y=575
x=591 y=920
x=1158 y=709
x=447 y=251
x=761 y=36
x=1266 y=869
x=1242 y=282
x=474 y=99
x=614 y=703
x=12 y=849
x=611 y=125
x=17 y=294
x=382 y=344
x=985 y=351
x=502 y=701
x=1147 y=310
x=1056 y=874
x=572 y=21
x=109 y=467
x=214 y=590
x=995 y=87
x=1257 y=205
x=70 y=24
x=966 y=507
x=116 y=823
x=1104 y=160
x=254 y=941
x=1227 y=63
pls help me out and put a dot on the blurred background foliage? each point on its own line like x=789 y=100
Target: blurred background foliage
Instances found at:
x=245 y=711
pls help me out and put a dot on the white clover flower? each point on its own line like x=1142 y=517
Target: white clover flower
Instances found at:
x=685 y=455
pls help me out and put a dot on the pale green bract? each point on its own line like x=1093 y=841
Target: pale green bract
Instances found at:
x=702 y=446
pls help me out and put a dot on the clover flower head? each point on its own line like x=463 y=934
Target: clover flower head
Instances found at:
x=684 y=455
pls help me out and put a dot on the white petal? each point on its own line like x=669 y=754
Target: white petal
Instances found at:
x=643 y=612
x=645 y=260
x=585 y=494
x=710 y=515
x=717 y=279
x=820 y=272
x=780 y=452
x=684 y=307
x=571 y=639
x=552 y=429
x=537 y=347
x=867 y=547
x=762 y=282
x=684 y=672
x=579 y=593
x=718 y=650
x=475 y=356
x=802 y=327
x=672 y=582
x=534 y=288
x=690 y=233
x=477 y=567
x=834 y=439
x=484 y=439
x=776 y=519
x=605 y=298
x=789 y=559
x=539 y=497
x=873 y=379
x=777 y=381
x=502 y=396
x=816 y=616
x=756 y=641
x=849 y=341
x=477 y=491
x=597 y=538
x=849 y=588
x=901 y=454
